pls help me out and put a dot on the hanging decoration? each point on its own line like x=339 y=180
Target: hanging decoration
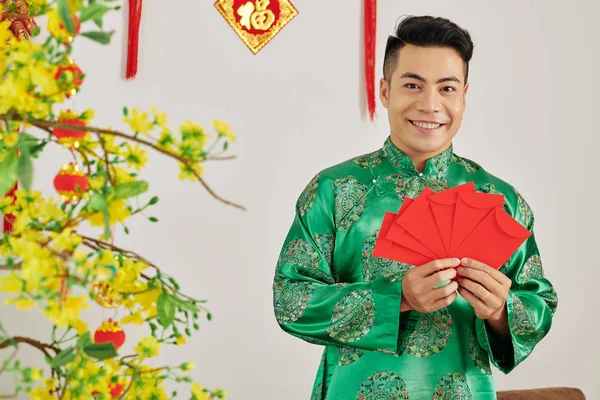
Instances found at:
x=135 y=18
x=256 y=22
x=71 y=183
x=370 y=36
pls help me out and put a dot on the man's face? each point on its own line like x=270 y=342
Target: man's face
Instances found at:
x=425 y=100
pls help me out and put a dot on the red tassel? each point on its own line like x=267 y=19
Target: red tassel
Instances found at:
x=370 y=41
x=135 y=16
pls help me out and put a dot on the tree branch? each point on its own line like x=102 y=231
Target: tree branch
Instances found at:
x=43 y=347
x=48 y=125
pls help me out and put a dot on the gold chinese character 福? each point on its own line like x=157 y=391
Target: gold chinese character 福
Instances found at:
x=256 y=15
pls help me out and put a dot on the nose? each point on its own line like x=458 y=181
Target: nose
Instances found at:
x=429 y=101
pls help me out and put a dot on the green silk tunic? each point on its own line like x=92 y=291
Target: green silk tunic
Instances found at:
x=330 y=290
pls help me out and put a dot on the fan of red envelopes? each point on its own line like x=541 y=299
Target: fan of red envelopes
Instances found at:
x=457 y=222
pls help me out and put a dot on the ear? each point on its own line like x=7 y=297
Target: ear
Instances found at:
x=465 y=95
x=384 y=92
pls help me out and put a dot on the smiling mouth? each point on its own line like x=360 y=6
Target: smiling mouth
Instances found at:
x=426 y=125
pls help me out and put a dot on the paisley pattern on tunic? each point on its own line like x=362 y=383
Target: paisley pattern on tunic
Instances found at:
x=522 y=318
x=374 y=267
x=290 y=299
x=531 y=270
x=352 y=316
x=480 y=358
x=307 y=260
x=370 y=160
x=349 y=355
x=383 y=385
x=431 y=334
x=551 y=298
x=325 y=242
x=308 y=196
x=471 y=166
x=453 y=386
x=350 y=201
x=525 y=211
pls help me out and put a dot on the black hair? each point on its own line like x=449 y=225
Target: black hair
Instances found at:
x=427 y=31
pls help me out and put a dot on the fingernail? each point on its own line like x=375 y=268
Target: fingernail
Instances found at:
x=460 y=270
x=465 y=261
x=455 y=261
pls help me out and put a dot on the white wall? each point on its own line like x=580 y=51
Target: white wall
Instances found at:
x=531 y=120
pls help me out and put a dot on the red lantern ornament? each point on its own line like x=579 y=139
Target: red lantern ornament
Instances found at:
x=22 y=26
x=69 y=78
x=69 y=137
x=115 y=390
x=71 y=183
x=110 y=331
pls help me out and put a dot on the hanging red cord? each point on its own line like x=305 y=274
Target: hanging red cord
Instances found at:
x=370 y=41
x=135 y=16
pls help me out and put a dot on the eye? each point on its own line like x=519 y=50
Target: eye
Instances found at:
x=411 y=86
x=449 y=89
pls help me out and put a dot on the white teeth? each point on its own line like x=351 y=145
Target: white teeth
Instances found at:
x=426 y=125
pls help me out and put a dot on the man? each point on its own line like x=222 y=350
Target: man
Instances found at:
x=393 y=331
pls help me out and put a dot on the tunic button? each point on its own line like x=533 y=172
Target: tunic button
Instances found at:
x=420 y=174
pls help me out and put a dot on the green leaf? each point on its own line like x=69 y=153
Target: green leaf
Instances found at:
x=166 y=309
x=153 y=201
x=95 y=10
x=101 y=351
x=98 y=202
x=99 y=36
x=186 y=305
x=130 y=189
x=125 y=111
x=153 y=219
x=25 y=169
x=84 y=340
x=65 y=15
x=8 y=172
x=64 y=357
x=99 y=22
x=107 y=230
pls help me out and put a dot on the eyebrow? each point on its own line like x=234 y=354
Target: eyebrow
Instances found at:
x=420 y=78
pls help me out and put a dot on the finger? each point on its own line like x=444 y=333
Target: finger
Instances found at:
x=477 y=304
x=489 y=299
x=443 y=302
x=438 y=265
x=482 y=278
x=439 y=277
x=442 y=292
x=494 y=273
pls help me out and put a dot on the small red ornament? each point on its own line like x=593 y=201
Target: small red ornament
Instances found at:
x=71 y=183
x=115 y=390
x=69 y=78
x=110 y=331
x=69 y=137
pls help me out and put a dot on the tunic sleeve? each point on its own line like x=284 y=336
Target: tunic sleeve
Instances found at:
x=531 y=303
x=309 y=300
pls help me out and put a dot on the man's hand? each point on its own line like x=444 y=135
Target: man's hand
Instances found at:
x=485 y=288
x=419 y=291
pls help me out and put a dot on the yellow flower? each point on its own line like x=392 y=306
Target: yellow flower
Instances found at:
x=66 y=240
x=11 y=139
x=191 y=130
x=198 y=393
x=118 y=211
x=67 y=312
x=51 y=384
x=5 y=33
x=96 y=182
x=166 y=140
x=148 y=347
x=22 y=303
x=56 y=28
x=134 y=318
x=187 y=173
x=138 y=122
x=40 y=394
x=122 y=175
x=224 y=129
x=36 y=374
x=136 y=157
x=11 y=283
x=161 y=117
x=181 y=340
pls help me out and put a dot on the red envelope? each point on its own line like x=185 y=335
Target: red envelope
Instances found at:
x=471 y=210
x=494 y=240
x=403 y=238
x=443 y=205
x=392 y=251
x=418 y=221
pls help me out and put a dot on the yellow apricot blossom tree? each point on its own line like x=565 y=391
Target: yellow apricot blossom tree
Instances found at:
x=49 y=264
